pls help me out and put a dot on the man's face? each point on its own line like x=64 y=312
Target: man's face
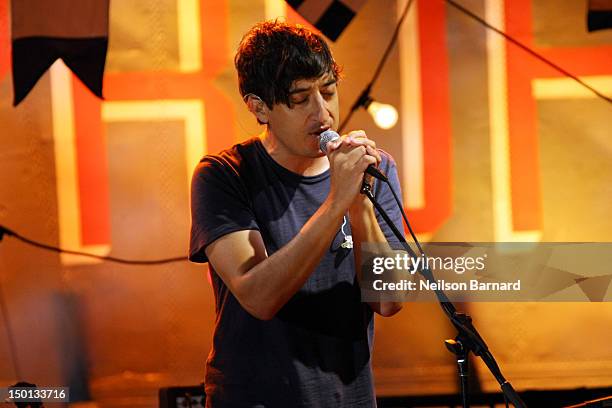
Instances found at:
x=313 y=109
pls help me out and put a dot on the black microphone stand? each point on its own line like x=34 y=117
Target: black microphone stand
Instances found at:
x=468 y=339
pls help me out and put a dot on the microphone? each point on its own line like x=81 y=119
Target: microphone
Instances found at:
x=331 y=136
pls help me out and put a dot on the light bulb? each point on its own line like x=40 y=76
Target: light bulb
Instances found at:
x=385 y=116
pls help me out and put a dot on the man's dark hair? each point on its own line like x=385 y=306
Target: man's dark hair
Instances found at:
x=273 y=54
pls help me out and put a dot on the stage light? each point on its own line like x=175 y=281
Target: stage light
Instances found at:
x=384 y=115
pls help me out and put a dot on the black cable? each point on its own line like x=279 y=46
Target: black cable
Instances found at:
x=462 y=322
x=365 y=94
x=379 y=68
x=7 y=322
x=391 y=44
x=4 y=230
x=528 y=50
x=401 y=207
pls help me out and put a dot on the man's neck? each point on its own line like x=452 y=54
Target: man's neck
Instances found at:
x=305 y=166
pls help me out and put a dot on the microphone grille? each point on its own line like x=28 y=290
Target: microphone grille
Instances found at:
x=326 y=137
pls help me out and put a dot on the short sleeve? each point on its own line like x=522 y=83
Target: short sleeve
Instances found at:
x=385 y=198
x=219 y=205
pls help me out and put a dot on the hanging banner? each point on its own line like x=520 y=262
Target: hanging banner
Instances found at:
x=45 y=30
x=599 y=15
x=331 y=17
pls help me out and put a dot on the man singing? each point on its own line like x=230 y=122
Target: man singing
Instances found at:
x=276 y=219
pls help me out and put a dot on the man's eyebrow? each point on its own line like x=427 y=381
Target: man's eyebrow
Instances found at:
x=298 y=90
x=330 y=82
x=303 y=89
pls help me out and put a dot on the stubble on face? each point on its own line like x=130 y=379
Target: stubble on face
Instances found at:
x=293 y=130
x=312 y=109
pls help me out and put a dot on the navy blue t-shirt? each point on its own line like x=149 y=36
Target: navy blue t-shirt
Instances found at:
x=316 y=352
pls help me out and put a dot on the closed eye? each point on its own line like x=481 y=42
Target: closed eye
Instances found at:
x=328 y=92
x=299 y=101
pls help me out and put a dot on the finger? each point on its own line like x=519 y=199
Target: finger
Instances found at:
x=357 y=134
x=333 y=145
x=347 y=145
x=362 y=142
x=369 y=145
x=357 y=154
x=354 y=136
x=366 y=161
x=374 y=153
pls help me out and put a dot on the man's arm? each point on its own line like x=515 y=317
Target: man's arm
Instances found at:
x=264 y=284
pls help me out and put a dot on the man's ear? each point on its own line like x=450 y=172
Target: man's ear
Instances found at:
x=257 y=107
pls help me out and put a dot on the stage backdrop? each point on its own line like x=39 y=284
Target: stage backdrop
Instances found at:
x=492 y=145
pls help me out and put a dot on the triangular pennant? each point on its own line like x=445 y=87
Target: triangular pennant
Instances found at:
x=45 y=30
x=599 y=15
x=329 y=16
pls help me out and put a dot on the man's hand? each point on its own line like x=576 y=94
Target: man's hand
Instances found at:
x=349 y=158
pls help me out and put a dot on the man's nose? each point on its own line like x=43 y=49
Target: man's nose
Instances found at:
x=321 y=108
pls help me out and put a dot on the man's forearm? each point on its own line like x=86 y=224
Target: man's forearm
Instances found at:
x=268 y=285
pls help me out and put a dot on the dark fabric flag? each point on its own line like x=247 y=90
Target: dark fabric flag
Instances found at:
x=329 y=16
x=44 y=30
x=599 y=15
